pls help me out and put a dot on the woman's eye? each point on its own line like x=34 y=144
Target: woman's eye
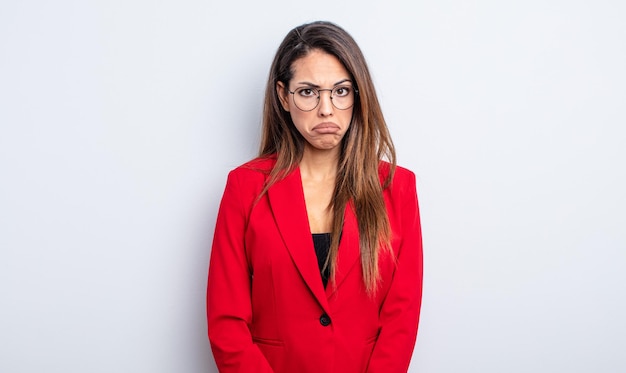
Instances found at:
x=342 y=91
x=306 y=92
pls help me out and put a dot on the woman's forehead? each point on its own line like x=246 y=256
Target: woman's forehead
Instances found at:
x=319 y=68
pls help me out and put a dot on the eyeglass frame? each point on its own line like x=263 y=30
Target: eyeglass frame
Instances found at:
x=319 y=96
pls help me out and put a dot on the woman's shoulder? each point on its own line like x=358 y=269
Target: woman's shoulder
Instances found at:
x=259 y=167
x=400 y=174
x=402 y=189
x=248 y=179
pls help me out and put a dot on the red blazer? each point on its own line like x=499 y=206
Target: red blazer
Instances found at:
x=267 y=308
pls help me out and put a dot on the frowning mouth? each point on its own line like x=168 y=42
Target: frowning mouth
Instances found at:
x=326 y=128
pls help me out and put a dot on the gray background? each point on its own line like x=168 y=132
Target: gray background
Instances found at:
x=120 y=120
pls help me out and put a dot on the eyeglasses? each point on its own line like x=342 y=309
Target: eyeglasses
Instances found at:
x=307 y=98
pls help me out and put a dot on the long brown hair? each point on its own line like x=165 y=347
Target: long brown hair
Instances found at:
x=364 y=145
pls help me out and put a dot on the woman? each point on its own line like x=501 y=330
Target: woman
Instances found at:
x=316 y=263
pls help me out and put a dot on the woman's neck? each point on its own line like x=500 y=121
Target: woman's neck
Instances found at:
x=319 y=164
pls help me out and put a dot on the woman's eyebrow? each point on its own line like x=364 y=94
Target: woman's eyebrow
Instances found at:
x=343 y=81
x=317 y=86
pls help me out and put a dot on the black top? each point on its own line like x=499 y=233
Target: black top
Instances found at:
x=321 y=241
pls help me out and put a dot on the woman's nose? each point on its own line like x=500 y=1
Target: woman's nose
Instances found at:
x=326 y=102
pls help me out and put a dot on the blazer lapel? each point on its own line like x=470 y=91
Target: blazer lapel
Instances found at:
x=289 y=209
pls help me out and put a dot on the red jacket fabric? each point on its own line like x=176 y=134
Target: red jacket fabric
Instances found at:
x=267 y=308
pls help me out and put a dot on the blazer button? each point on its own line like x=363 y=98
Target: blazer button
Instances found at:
x=324 y=320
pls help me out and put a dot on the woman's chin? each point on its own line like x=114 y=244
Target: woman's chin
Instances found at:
x=324 y=146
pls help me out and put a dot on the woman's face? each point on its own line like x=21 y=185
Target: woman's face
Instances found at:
x=323 y=127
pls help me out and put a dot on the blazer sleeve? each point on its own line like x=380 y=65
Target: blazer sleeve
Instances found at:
x=399 y=314
x=229 y=309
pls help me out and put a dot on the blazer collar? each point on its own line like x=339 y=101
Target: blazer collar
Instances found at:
x=286 y=198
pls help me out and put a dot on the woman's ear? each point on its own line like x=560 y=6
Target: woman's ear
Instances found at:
x=283 y=95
